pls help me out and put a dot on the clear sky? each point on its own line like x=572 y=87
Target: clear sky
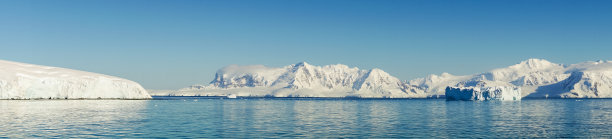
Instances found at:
x=171 y=44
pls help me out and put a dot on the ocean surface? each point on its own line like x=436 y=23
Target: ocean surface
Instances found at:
x=179 y=117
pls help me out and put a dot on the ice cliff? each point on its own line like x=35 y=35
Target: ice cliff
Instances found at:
x=483 y=93
x=27 y=81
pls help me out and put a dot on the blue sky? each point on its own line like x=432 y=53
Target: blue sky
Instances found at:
x=172 y=44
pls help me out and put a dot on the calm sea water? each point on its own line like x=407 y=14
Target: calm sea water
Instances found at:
x=174 y=117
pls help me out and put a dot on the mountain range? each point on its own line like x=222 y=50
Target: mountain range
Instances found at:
x=537 y=78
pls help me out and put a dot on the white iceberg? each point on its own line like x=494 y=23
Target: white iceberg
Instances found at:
x=27 y=81
x=483 y=93
x=231 y=96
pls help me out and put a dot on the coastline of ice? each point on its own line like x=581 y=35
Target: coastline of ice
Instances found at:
x=28 y=81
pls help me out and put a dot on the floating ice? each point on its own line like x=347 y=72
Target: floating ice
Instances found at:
x=483 y=93
x=231 y=96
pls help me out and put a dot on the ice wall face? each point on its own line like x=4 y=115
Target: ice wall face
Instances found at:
x=483 y=93
x=27 y=81
x=303 y=80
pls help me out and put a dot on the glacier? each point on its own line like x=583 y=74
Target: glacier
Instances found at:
x=483 y=93
x=28 y=81
x=301 y=80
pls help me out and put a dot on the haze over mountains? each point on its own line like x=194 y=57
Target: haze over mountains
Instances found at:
x=537 y=78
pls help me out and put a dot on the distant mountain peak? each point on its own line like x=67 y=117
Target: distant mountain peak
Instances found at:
x=377 y=71
x=301 y=64
x=530 y=65
x=601 y=61
x=536 y=64
x=378 y=74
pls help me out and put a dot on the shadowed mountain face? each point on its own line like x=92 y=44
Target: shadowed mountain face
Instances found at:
x=586 y=84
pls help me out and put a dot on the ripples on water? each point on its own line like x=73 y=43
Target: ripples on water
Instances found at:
x=309 y=118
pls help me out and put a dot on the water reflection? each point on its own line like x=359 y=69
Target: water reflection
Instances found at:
x=69 y=118
x=305 y=118
x=337 y=120
x=379 y=117
x=530 y=118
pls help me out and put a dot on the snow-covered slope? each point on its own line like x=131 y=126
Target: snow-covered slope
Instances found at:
x=585 y=80
x=537 y=78
x=302 y=80
x=483 y=93
x=27 y=81
x=437 y=83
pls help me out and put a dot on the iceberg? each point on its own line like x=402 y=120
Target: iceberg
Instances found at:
x=27 y=81
x=483 y=93
x=231 y=96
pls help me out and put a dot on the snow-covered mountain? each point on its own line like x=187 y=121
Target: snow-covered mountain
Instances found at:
x=537 y=78
x=585 y=80
x=27 y=81
x=302 y=80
